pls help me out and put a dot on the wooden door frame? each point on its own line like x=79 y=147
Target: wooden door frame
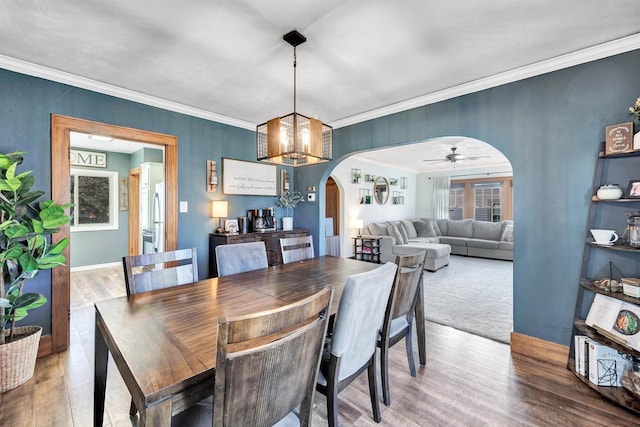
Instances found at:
x=134 y=214
x=61 y=126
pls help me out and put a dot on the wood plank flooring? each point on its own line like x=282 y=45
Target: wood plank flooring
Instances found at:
x=468 y=381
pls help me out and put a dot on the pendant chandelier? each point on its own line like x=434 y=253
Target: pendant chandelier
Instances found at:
x=294 y=139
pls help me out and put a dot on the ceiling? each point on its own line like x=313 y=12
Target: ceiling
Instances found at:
x=226 y=60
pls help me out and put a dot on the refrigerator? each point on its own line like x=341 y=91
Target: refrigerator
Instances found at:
x=151 y=209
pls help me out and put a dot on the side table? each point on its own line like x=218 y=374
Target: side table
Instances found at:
x=366 y=249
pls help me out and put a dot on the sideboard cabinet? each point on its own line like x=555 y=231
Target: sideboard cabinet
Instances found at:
x=271 y=241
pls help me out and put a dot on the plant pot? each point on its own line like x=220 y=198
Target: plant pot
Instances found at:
x=18 y=358
x=287 y=223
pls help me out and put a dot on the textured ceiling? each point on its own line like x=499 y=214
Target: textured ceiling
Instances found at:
x=228 y=59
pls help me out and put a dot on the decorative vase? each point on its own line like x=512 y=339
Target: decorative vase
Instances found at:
x=609 y=192
x=18 y=358
x=287 y=223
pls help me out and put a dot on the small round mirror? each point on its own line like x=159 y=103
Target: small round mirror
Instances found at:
x=381 y=190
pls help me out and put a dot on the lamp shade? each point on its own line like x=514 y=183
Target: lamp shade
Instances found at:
x=219 y=209
x=358 y=223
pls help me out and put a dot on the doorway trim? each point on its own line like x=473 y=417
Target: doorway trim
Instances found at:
x=61 y=126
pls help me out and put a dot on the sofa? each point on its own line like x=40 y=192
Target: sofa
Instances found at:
x=466 y=237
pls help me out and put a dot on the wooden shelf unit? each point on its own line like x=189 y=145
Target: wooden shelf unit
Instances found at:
x=618 y=395
x=366 y=249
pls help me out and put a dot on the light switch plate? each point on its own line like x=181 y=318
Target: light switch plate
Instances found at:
x=184 y=206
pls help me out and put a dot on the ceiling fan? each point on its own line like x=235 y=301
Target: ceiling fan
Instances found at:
x=454 y=157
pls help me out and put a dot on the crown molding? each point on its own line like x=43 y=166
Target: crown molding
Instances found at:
x=615 y=47
x=589 y=54
x=58 y=76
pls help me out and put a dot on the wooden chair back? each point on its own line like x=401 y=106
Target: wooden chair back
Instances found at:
x=405 y=287
x=267 y=363
x=160 y=270
x=296 y=248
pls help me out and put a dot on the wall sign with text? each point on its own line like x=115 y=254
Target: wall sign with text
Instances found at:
x=88 y=158
x=248 y=178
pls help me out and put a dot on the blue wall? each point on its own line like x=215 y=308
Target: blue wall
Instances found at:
x=549 y=127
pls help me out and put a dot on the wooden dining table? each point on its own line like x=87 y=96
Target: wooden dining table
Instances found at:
x=164 y=342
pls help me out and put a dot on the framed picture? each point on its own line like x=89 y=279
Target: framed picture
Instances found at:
x=248 y=178
x=633 y=190
x=231 y=226
x=619 y=139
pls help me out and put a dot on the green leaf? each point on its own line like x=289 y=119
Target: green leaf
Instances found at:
x=59 y=247
x=51 y=261
x=4 y=303
x=11 y=172
x=27 y=299
x=28 y=262
x=16 y=230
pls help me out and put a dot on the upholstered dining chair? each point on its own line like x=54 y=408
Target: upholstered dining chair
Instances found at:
x=295 y=249
x=351 y=346
x=266 y=367
x=398 y=317
x=240 y=257
x=148 y=272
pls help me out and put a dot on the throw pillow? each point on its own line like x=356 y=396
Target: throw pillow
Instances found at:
x=378 y=229
x=410 y=229
x=424 y=229
x=507 y=233
x=403 y=232
x=393 y=231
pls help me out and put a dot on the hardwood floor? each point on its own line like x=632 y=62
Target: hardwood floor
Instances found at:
x=468 y=381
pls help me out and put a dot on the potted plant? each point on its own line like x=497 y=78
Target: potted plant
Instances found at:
x=288 y=200
x=24 y=251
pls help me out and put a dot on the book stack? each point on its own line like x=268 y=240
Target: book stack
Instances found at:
x=603 y=365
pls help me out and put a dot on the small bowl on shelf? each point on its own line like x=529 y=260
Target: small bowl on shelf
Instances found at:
x=609 y=192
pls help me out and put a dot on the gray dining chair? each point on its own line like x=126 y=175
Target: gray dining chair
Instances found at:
x=149 y=272
x=279 y=350
x=351 y=347
x=398 y=317
x=295 y=249
x=240 y=257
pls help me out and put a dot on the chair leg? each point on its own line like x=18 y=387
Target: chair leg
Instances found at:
x=384 y=372
x=409 y=346
x=332 y=407
x=373 y=389
x=132 y=409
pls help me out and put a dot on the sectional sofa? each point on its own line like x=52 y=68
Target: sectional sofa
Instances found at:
x=465 y=237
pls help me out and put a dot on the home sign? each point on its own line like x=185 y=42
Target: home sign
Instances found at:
x=88 y=158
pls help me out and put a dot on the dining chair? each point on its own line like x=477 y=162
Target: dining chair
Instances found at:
x=266 y=367
x=295 y=249
x=240 y=257
x=351 y=347
x=398 y=316
x=148 y=272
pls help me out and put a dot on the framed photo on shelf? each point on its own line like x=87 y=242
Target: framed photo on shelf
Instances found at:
x=633 y=190
x=231 y=226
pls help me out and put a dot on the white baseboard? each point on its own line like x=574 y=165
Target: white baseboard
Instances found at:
x=96 y=266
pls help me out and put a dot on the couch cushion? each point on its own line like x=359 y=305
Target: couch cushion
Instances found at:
x=460 y=228
x=424 y=229
x=378 y=228
x=507 y=233
x=434 y=239
x=392 y=230
x=411 y=230
x=484 y=244
x=441 y=226
x=487 y=230
x=506 y=246
x=454 y=241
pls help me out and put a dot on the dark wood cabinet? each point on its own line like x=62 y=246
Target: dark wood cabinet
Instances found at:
x=271 y=241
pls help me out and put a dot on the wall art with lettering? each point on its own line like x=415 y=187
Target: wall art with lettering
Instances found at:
x=248 y=178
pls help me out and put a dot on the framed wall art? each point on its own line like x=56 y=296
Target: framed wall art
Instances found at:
x=246 y=178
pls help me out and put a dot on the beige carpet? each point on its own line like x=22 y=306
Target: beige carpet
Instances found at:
x=473 y=295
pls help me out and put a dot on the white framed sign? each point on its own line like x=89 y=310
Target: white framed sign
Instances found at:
x=88 y=158
x=248 y=178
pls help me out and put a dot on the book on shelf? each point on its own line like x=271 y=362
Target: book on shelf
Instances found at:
x=615 y=319
x=579 y=356
x=606 y=365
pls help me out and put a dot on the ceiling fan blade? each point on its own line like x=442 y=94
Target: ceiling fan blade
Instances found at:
x=477 y=157
x=435 y=160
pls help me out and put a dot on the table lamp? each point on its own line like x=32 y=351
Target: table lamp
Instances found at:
x=359 y=224
x=219 y=209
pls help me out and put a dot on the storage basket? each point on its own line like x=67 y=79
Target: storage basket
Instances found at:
x=18 y=358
